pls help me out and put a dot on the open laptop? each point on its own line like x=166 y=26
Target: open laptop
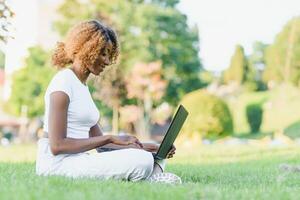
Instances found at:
x=170 y=136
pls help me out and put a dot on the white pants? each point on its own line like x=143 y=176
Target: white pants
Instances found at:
x=126 y=164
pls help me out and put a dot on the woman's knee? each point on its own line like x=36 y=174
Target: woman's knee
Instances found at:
x=142 y=162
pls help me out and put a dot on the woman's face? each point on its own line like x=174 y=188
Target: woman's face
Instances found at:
x=103 y=59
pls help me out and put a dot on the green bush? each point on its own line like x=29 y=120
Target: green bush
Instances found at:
x=254 y=114
x=208 y=115
x=293 y=130
x=29 y=84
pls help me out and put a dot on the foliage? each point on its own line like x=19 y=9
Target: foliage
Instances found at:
x=254 y=117
x=2 y=60
x=108 y=88
x=238 y=107
x=177 y=46
x=148 y=31
x=283 y=56
x=145 y=81
x=105 y=110
x=207 y=77
x=5 y=20
x=257 y=63
x=209 y=116
x=30 y=83
x=293 y=130
x=257 y=58
x=166 y=3
x=146 y=85
x=282 y=108
x=238 y=70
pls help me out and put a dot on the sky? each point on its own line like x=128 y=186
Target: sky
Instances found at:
x=224 y=24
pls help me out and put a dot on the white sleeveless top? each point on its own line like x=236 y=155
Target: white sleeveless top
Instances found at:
x=82 y=111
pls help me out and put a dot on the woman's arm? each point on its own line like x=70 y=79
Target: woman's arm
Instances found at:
x=151 y=147
x=59 y=143
x=95 y=131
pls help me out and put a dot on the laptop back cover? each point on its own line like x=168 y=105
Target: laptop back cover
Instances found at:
x=172 y=132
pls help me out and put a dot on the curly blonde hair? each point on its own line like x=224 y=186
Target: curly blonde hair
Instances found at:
x=85 y=42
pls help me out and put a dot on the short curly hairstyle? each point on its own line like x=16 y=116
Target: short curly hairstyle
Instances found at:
x=85 y=42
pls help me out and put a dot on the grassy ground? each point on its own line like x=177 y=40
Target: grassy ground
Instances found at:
x=209 y=172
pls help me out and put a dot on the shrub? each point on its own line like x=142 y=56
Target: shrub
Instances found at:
x=254 y=117
x=293 y=130
x=208 y=115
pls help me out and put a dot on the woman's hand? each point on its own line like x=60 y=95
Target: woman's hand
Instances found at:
x=152 y=147
x=171 y=152
x=126 y=140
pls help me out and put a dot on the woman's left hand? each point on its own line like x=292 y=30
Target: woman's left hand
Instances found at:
x=171 y=152
x=151 y=147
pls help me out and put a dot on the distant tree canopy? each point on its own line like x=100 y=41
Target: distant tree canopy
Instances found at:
x=283 y=56
x=256 y=63
x=5 y=16
x=258 y=57
x=2 y=60
x=239 y=70
x=30 y=83
x=148 y=31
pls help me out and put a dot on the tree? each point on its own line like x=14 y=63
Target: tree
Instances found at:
x=166 y=3
x=147 y=86
x=108 y=88
x=258 y=56
x=177 y=46
x=29 y=84
x=257 y=63
x=283 y=56
x=238 y=69
x=5 y=17
x=2 y=60
x=148 y=31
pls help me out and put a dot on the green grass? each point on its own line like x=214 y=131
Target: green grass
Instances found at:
x=208 y=172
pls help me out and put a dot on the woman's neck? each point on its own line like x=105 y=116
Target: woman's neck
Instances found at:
x=81 y=73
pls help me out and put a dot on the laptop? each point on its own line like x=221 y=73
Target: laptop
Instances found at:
x=170 y=136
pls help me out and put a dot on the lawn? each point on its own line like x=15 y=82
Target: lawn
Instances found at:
x=208 y=172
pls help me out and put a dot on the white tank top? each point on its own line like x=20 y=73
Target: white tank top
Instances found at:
x=82 y=111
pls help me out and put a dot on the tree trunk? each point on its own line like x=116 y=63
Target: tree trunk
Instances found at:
x=147 y=113
x=115 y=123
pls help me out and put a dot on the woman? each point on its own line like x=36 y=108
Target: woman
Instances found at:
x=70 y=120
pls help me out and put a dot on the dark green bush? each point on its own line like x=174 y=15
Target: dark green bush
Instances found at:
x=254 y=114
x=208 y=115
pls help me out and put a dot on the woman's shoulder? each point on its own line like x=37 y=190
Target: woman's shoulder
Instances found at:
x=61 y=81
x=63 y=74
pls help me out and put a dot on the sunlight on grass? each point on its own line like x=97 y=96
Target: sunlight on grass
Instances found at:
x=18 y=153
x=205 y=154
x=208 y=172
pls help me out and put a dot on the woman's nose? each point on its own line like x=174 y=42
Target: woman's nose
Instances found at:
x=106 y=60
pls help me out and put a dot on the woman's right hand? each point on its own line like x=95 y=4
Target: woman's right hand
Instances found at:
x=126 y=140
